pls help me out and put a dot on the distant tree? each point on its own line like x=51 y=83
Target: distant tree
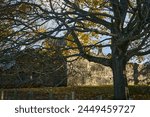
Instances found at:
x=123 y=26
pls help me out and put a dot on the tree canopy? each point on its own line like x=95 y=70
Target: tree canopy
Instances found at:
x=85 y=26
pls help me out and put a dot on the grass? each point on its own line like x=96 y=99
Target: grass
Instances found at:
x=84 y=92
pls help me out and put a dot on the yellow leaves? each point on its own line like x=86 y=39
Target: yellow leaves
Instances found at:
x=4 y=33
x=41 y=30
x=24 y=7
x=96 y=2
x=23 y=10
x=50 y=48
x=90 y=4
x=4 y=30
x=88 y=38
x=70 y=41
x=47 y=44
x=84 y=38
x=93 y=34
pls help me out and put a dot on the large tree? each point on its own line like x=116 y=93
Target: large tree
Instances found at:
x=123 y=26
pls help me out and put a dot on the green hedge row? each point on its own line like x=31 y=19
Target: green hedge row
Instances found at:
x=105 y=92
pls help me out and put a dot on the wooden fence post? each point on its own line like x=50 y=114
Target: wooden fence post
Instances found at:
x=99 y=97
x=30 y=94
x=73 y=95
x=2 y=95
x=50 y=96
x=15 y=97
x=66 y=97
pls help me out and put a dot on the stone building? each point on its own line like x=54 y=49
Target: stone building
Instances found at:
x=34 y=68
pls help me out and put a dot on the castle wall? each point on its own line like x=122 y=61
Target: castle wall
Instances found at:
x=82 y=72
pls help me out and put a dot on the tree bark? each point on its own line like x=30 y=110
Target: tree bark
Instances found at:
x=121 y=91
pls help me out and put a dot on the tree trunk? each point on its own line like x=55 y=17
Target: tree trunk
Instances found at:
x=119 y=77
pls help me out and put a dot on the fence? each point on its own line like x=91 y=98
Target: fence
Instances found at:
x=34 y=95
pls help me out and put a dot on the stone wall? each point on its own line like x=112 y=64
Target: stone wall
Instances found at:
x=82 y=72
x=33 y=68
